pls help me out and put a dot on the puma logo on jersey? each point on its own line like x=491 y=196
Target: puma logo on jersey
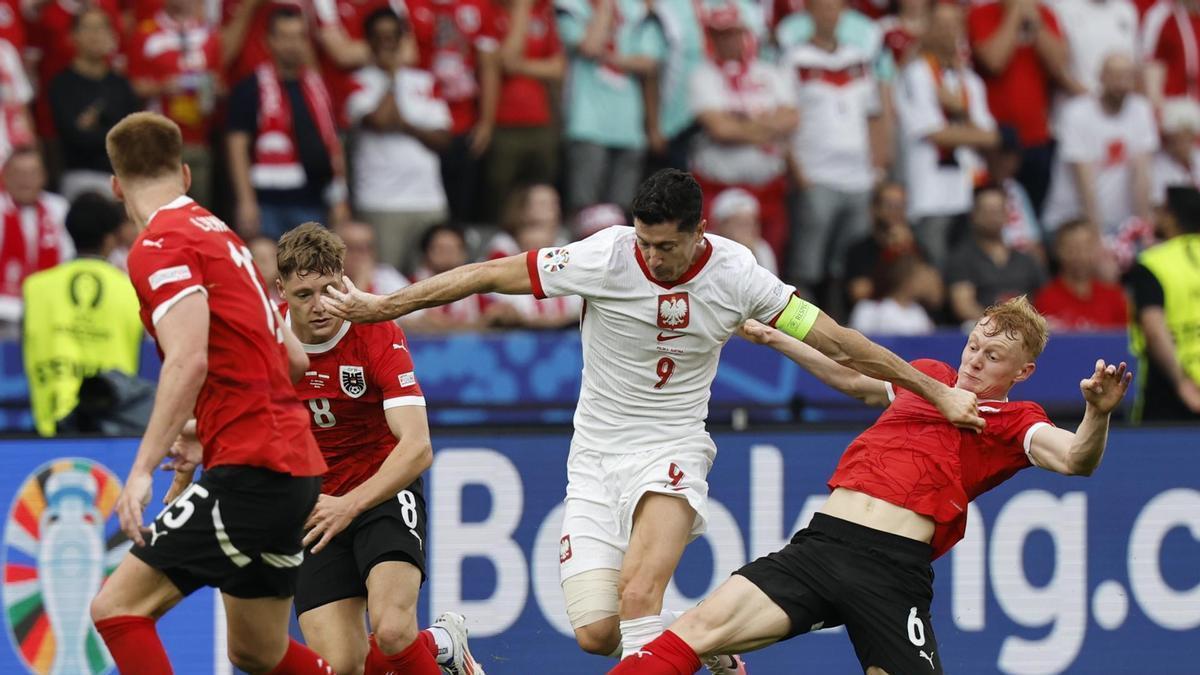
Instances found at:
x=928 y=657
x=641 y=652
x=152 y=243
x=399 y=346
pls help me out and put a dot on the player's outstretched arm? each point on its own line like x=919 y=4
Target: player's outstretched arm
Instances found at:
x=183 y=338
x=850 y=348
x=412 y=455
x=850 y=382
x=1079 y=453
x=506 y=275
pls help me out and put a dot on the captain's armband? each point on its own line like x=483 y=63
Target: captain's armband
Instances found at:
x=797 y=318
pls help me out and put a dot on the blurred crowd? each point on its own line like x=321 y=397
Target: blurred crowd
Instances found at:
x=904 y=162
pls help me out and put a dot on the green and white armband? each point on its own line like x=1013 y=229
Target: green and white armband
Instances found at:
x=797 y=318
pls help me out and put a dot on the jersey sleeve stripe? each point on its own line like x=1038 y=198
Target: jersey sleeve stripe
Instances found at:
x=535 y=280
x=891 y=391
x=402 y=401
x=161 y=310
x=1033 y=428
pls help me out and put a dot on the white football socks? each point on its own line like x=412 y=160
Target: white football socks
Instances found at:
x=637 y=633
x=444 y=642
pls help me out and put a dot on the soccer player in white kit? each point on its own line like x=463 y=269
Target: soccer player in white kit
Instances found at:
x=662 y=298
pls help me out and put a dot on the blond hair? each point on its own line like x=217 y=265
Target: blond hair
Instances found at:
x=144 y=145
x=1018 y=320
x=310 y=249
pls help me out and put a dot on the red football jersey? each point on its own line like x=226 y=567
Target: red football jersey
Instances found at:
x=912 y=457
x=247 y=412
x=449 y=36
x=163 y=49
x=352 y=379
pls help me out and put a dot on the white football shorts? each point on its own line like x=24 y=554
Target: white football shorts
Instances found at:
x=604 y=489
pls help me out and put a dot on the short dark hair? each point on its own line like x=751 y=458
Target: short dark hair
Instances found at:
x=283 y=13
x=1183 y=203
x=77 y=19
x=430 y=234
x=986 y=188
x=669 y=196
x=92 y=217
x=381 y=14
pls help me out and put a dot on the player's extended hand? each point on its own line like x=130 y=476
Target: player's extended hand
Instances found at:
x=329 y=517
x=353 y=304
x=961 y=408
x=757 y=332
x=132 y=502
x=1106 y=387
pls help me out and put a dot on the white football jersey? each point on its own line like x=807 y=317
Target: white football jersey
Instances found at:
x=650 y=349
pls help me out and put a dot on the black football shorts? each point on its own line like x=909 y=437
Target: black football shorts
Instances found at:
x=238 y=529
x=878 y=584
x=391 y=531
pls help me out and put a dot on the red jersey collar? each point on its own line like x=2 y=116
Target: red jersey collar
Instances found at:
x=687 y=276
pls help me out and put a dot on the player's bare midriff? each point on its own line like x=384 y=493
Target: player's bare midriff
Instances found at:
x=877 y=514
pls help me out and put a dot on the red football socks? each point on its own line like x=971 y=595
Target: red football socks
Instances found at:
x=300 y=660
x=665 y=655
x=134 y=645
x=416 y=659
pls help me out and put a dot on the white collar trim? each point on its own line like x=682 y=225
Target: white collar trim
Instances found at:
x=177 y=203
x=322 y=347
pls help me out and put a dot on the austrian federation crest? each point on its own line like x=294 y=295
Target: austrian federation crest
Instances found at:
x=354 y=383
x=59 y=547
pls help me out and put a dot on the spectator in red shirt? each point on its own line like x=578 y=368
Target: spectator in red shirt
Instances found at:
x=1077 y=299
x=455 y=43
x=341 y=40
x=174 y=62
x=1020 y=52
x=1169 y=47
x=525 y=141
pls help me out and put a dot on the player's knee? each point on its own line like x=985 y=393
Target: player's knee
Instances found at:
x=876 y=670
x=600 y=638
x=251 y=660
x=395 y=631
x=640 y=596
x=105 y=606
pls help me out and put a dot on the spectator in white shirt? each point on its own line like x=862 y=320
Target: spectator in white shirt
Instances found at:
x=945 y=121
x=898 y=312
x=735 y=215
x=1106 y=144
x=1094 y=29
x=746 y=108
x=402 y=126
x=1177 y=164
x=833 y=165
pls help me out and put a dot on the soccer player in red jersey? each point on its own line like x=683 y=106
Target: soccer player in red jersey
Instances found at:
x=225 y=362
x=899 y=500
x=367 y=532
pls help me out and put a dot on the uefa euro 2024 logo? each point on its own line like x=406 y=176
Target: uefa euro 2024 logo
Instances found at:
x=59 y=546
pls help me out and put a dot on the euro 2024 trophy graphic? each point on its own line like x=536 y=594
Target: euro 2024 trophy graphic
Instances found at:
x=59 y=548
